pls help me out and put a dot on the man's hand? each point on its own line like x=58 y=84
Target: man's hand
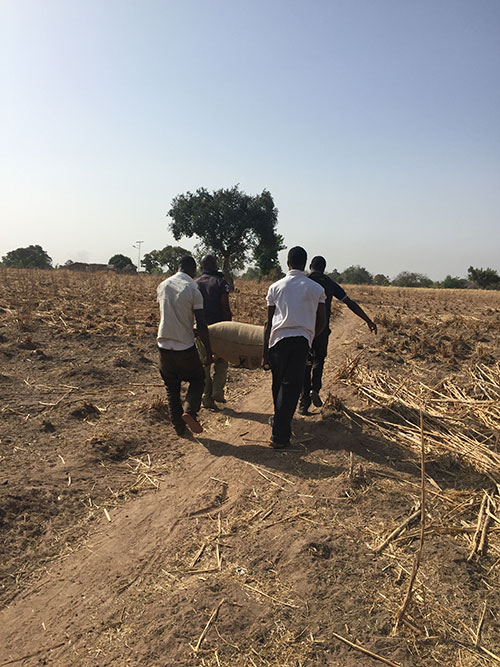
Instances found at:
x=265 y=363
x=372 y=326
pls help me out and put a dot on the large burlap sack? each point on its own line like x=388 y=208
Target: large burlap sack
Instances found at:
x=238 y=343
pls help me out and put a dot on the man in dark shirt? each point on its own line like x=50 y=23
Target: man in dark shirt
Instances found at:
x=215 y=292
x=316 y=361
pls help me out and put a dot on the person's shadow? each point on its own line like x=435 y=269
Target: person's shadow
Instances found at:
x=335 y=434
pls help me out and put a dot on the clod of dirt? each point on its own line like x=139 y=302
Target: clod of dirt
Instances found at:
x=48 y=426
x=27 y=344
x=120 y=362
x=113 y=447
x=319 y=550
x=40 y=353
x=85 y=411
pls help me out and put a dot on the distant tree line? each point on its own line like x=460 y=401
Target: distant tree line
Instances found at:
x=359 y=275
x=167 y=259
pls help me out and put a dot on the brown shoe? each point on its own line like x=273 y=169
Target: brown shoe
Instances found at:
x=193 y=425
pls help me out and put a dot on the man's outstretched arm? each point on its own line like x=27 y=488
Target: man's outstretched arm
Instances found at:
x=357 y=310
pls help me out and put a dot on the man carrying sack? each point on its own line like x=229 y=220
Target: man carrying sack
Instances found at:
x=215 y=292
x=180 y=304
x=295 y=315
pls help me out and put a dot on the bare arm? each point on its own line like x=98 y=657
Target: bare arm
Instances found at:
x=226 y=308
x=320 y=319
x=267 y=333
x=202 y=328
x=357 y=310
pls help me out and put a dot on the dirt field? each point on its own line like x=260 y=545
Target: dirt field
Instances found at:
x=122 y=544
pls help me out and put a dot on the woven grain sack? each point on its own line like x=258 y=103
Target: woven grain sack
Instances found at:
x=238 y=343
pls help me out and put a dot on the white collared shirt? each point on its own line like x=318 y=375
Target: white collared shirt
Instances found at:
x=295 y=298
x=178 y=297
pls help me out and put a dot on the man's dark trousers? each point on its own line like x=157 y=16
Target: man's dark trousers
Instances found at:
x=177 y=366
x=287 y=360
x=314 y=368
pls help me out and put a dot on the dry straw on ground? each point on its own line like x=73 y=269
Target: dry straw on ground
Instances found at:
x=461 y=413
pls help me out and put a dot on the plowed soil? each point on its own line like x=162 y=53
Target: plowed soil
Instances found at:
x=123 y=544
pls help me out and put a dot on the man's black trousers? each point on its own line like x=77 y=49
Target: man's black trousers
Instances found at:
x=177 y=366
x=287 y=360
x=314 y=367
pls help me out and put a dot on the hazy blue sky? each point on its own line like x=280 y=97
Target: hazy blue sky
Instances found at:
x=375 y=124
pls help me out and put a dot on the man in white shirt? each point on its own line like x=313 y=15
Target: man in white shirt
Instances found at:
x=180 y=304
x=295 y=315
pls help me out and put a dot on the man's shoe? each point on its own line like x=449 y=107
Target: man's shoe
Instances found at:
x=303 y=411
x=180 y=429
x=209 y=404
x=193 y=425
x=219 y=398
x=316 y=398
x=278 y=445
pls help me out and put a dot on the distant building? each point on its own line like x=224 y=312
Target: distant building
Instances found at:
x=88 y=268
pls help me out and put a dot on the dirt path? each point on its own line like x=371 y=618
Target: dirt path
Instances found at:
x=134 y=575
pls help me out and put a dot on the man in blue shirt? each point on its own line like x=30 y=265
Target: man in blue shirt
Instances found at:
x=316 y=359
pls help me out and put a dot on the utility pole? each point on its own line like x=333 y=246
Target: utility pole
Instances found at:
x=138 y=246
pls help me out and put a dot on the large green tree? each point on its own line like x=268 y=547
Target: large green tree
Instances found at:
x=168 y=257
x=231 y=224
x=32 y=257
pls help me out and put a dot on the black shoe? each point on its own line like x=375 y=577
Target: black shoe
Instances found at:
x=180 y=429
x=316 y=398
x=303 y=411
x=210 y=405
x=278 y=445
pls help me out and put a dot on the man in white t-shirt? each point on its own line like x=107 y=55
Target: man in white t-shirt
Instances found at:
x=181 y=303
x=295 y=315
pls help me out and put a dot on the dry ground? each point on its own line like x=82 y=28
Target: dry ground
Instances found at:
x=120 y=542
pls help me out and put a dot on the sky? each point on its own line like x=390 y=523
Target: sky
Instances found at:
x=375 y=125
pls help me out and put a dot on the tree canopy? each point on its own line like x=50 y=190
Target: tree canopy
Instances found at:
x=454 y=282
x=411 y=279
x=381 y=279
x=484 y=278
x=32 y=257
x=168 y=257
x=356 y=275
x=230 y=224
x=121 y=262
